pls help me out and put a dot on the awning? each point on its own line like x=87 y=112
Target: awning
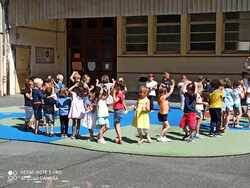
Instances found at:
x=22 y=12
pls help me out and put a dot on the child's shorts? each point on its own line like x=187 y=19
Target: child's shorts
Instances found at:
x=199 y=114
x=38 y=112
x=237 y=109
x=188 y=119
x=28 y=113
x=49 y=118
x=118 y=114
x=100 y=121
x=162 y=117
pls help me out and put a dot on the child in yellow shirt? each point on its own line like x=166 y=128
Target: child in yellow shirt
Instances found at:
x=215 y=107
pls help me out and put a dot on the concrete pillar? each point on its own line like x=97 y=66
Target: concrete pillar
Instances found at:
x=219 y=33
x=121 y=35
x=151 y=35
x=185 y=34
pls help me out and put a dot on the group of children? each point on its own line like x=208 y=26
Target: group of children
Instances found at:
x=81 y=102
x=223 y=99
x=89 y=104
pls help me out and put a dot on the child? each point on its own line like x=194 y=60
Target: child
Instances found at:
x=119 y=108
x=102 y=120
x=75 y=77
x=228 y=103
x=89 y=101
x=37 y=99
x=64 y=103
x=248 y=101
x=77 y=109
x=107 y=85
x=59 y=84
x=151 y=84
x=141 y=119
x=49 y=112
x=188 y=121
x=238 y=96
x=215 y=107
x=199 y=111
x=28 y=104
x=163 y=114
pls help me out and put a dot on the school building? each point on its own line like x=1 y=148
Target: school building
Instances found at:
x=127 y=38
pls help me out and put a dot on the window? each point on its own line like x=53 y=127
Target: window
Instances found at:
x=168 y=33
x=137 y=34
x=237 y=26
x=203 y=32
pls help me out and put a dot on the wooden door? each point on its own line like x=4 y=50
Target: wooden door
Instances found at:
x=22 y=65
x=96 y=45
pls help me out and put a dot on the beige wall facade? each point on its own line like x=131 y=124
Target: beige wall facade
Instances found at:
x=47 y=34
x=132 y=68
x=217 y=64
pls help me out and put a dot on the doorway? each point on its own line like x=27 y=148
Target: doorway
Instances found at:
x=22 y=66
x=92 y=47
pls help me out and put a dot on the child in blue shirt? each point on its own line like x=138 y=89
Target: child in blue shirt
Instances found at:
x=64 y=103
x=49 y=110
x=37 y=99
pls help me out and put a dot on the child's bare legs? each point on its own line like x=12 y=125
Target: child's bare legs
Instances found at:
x=238 y=114
x=227 y=117
x=248 y=115
x=118 y=133
x=91 y=135
x=75 y=127
x=101 y=134
x=165 y=127
x=147 y=135
x=186 y=131
x=140 y=133
x=199 y=121
x=52 y=128
x=78 y=124
x=36 y=126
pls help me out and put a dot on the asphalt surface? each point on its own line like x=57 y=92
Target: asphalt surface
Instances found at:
x=31 y=165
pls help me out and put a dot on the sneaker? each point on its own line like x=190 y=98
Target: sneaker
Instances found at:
x=188 y=140
x=101 y=141
x=140 y=141
x=238 y=126
x=211 y=135
x=73 y=137
x=163 y=139
x=198 y=136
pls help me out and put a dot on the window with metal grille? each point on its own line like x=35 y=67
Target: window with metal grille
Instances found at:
x=137 y=34
x=203 y=32
x=168 y=33
x=236 y=32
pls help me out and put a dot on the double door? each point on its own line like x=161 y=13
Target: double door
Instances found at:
x=92 y=46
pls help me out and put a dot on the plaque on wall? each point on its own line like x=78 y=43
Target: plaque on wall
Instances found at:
x=77 y=66
x=45 y=55
x=91 y=65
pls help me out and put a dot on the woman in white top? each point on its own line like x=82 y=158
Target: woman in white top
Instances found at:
x=151 y=84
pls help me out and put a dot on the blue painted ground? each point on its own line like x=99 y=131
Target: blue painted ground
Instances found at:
x=16 y=132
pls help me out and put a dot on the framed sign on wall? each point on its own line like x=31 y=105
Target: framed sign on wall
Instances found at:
x=45 y=55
